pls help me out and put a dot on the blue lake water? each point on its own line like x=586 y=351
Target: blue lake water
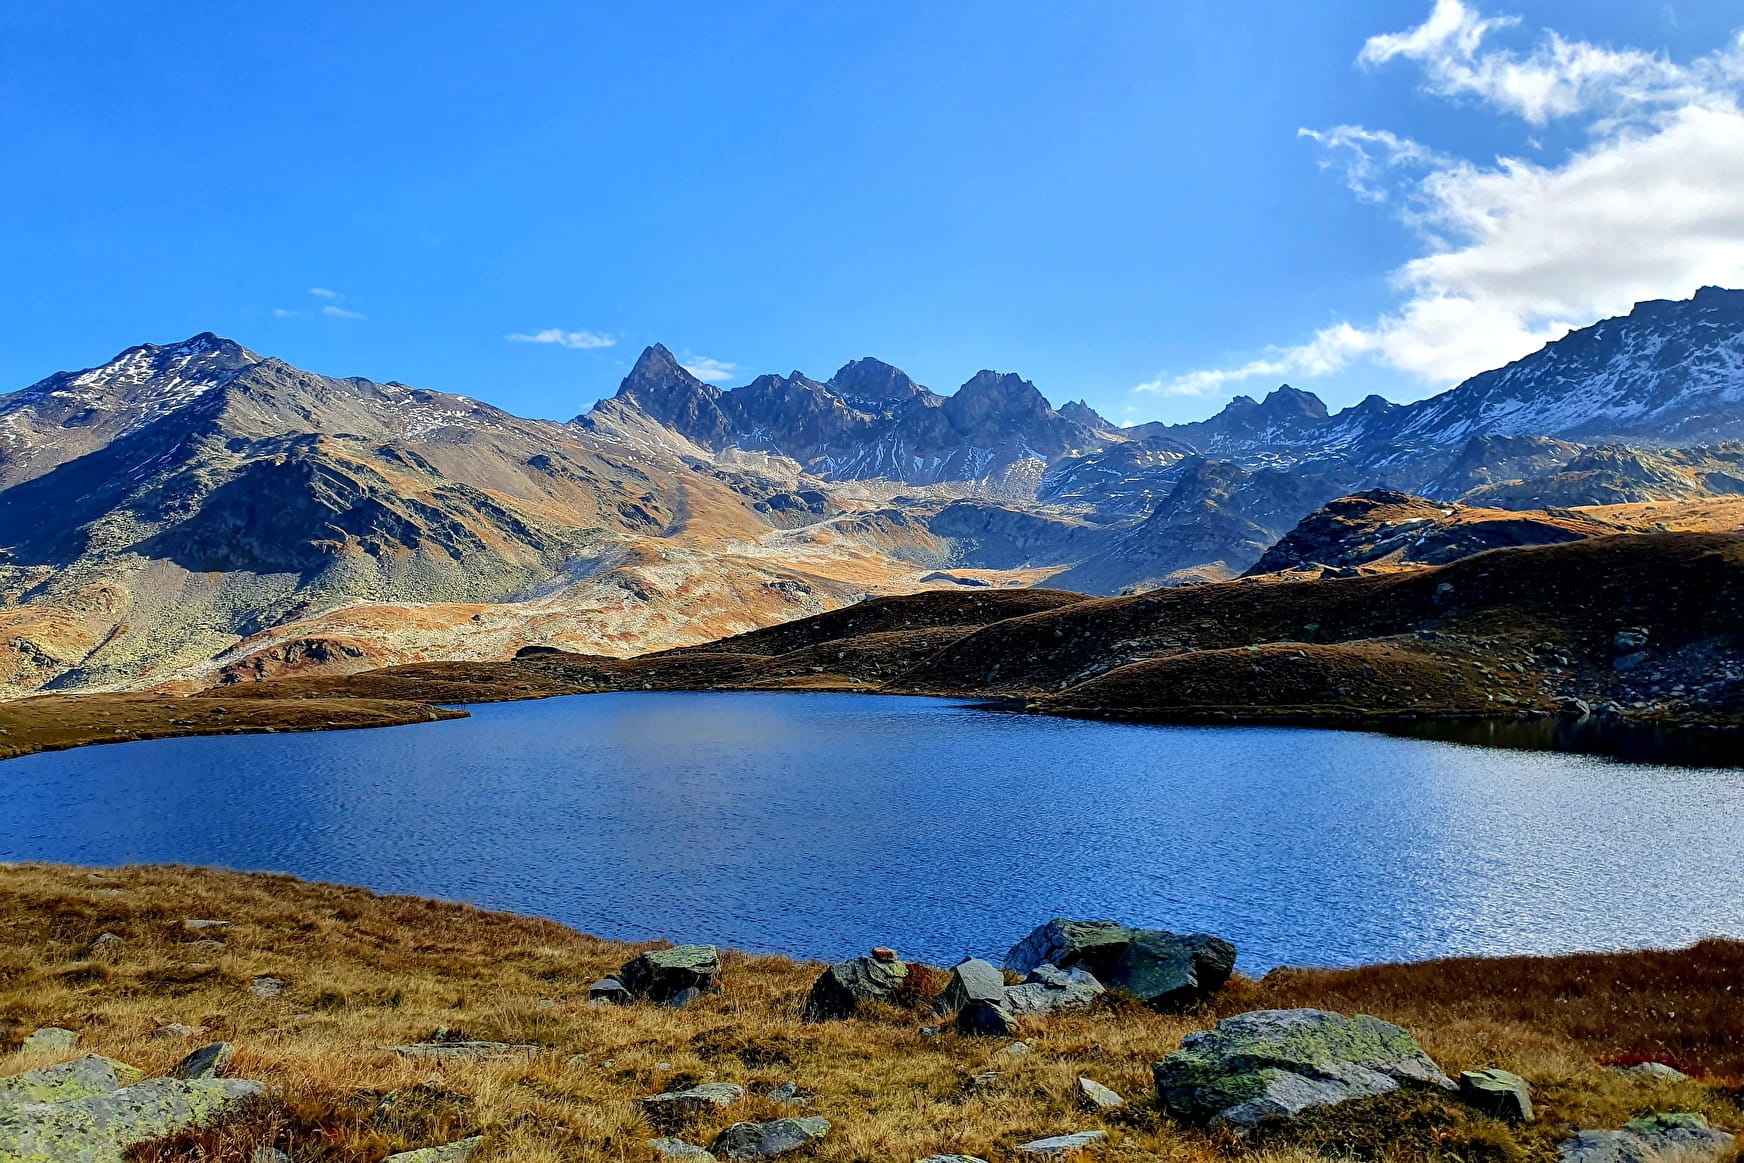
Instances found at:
x=825 y=824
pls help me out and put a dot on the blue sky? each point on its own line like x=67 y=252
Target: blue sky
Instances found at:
x=1116 y=200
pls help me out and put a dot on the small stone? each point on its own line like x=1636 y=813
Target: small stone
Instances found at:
x=206 y=945
x=198 y=924
x=885 y=954
x=50 y=1040
x=1498 y=1094
x=474 y=1051
x=683 y=998
x=680 y=1150
x=100 y=1128
x=930 y=1031
x=108 y=943
x=1655 y=1071
x=677 y=1106
x=1094 y=1095
x=1063 y=1144
x=456 y=1152
x=176 y=1030
x=269 y=1155
x=985 y=1019
x=608 y=991
x=546 y=1003
x=786 y=1092
x=951 y=1159
x=984 y=1080
x=1016 y=1050
x=1661 y=1138
x=1627 y=662
x=206 y=1062
x=767 y=1140
x=266 y=987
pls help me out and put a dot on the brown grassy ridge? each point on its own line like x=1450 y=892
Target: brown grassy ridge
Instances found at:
x=367 y=971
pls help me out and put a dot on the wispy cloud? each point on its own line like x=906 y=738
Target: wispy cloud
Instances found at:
x=323 y=293
x=580 y=340
x=710 y=371
x=341 y=313
x=330 y=309
x=1514 y=252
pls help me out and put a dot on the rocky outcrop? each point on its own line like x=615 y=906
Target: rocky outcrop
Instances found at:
x=100 y=1127
x=1275 y=1064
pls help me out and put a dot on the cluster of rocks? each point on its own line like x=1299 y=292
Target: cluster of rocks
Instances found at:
x=742 y=1140
x=671 y=977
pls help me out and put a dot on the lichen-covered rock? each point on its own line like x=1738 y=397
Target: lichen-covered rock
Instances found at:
x=665 y=973
x=1050 y=989
x=972 y=979
x=1094 y=944
x=456 y=1152
x=681 y=1151
x=474 y=1051
x=1062 y=1144
x=1273 y=1064
x=100 y=1128
x=1162 y=969
x=677 y=1106
x=1660 y=1138
x=767 y=1140
x=206 y=1062
x=50 y=1040
x=842 y=988
x=1498 y=1094
x=68 y=1081
x=985 y=1019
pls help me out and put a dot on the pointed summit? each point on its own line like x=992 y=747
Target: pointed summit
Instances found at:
x=873 y=384
x=660 y=387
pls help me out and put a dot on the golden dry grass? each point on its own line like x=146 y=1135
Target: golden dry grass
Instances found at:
x=366 y=972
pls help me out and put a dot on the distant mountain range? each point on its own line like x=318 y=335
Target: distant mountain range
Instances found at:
x=196 y=512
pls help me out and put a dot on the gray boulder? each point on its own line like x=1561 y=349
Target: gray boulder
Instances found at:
x=1498 y=1094
x=50 y=1040
x=1095 y=1096
x=1274 y=1064
x=267 y=987
x=665 y=973
x=985 y=1019
x=845 y=986
x=1162 y=969
x=68 y=1081
x=680 y=1150
x=1661 y=1138
x=767 y=1140
x=972 y=979
x=1654 y=1071
x=1066 y=943
x=678 y=1106
x=456 y=1152
x=609 y=990
x=100 y=1128
x=1062 y=1144
x=206 y=1062
x=1050 y=989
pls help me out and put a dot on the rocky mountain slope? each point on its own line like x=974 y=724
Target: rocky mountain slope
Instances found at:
x=196 y=512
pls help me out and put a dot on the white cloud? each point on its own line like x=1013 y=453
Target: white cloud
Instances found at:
x=581 y=340
x=281 y=313
x=1514 y=252
x=341 y=313
x=323 y=293
x=710 y=371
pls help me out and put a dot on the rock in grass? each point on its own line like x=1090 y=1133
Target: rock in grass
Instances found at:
x=1655 y=1071
x=985 y=1019
x=680 y=1150
x=663 y=974
x=951 y=1159
x=1162 y=969
x=677 y=1106
x=68 y=1081
x=477 y=1051
x=1062 y=1144
x=767 y=1140
x=972 y=979
x=206 y=1062
x=1094 y=1095
x=173 y=1030
x=266 y=987
x=1274 y=1064
x=456 y=1152
x=1498 y=1094
x=1051 y=989
x=609 y=991
x=1661 y=1138
x=842 y=988
x=269 y=1155
x=50 y=1040
x=100 y=1128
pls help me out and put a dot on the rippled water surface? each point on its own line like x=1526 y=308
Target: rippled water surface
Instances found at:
x=825 y=824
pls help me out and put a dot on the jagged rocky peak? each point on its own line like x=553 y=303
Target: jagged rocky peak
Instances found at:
x=1080 y=412
x=874 y=385
x=1284 y=405
x=993 y=395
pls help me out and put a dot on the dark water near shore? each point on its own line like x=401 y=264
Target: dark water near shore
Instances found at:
x=825 y=824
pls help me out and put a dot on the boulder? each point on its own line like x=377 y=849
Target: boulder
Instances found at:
x=100 y=1128
x=609 y=990
x=1661 y=1138
x=680 y=1150
x=845 y=986
x=1162 y=969
x=1655 y=1071
x=456 y=1152
x=1051 y=988
x=266 y=987
x=665 y=973
x=1274 y=1064
x=767 y=1140
x=1498 y=1094
x=50 y=1040
x=1095 y=1096
x=972 y=979
x=68 y=1081
x=1062 y=1144
x=678 y=1106
x=206 y=1062
x=986 y=1019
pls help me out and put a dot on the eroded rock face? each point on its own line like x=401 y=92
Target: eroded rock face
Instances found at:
x=844 y=986
x=1274 y=1064
x=665 y=973
x=99 y=1128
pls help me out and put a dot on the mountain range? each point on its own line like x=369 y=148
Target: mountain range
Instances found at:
x=196 y=513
